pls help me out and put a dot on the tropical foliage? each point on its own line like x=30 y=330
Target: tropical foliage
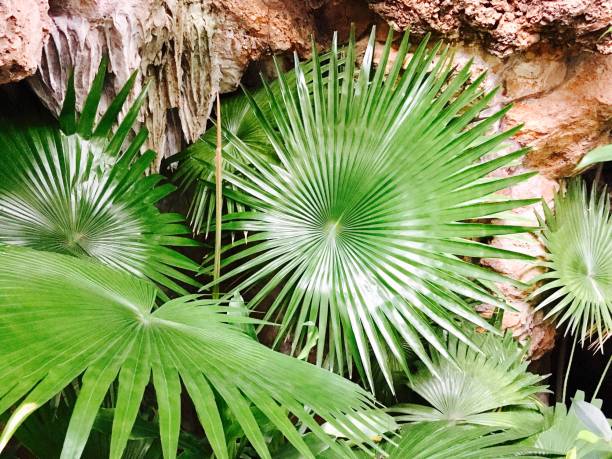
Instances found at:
x=578 y=239
x=489 y=386
x=361 y=228
x=363 y=184
x=77 y=187
x=598 y=155
x=195 y=168
x=583 y=430
x=187 y=340
x=439 y=440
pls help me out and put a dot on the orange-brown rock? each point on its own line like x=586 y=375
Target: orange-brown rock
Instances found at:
x=565 y=104
x=24 y=26
x=505 y=26
x=525 y=323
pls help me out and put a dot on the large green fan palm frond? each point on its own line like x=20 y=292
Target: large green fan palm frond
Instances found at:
x=440 y=440
x=62 y=317
x=476 y=385
x=362 y=228
x=78 y=187
x=578 y=241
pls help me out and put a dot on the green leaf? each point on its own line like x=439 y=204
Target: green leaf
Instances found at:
x=597 y=155
x=578 y=241
x=195 y=165
x=566 y=430
x=441 y=440
x=62 y=191
x=489 y=385
x=62 y=317
x=361 y=227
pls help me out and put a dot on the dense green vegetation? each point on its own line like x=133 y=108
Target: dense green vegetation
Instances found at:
x=357 y=193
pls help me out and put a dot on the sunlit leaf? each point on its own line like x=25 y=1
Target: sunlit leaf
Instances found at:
x=578 y=241
x=62 y=318
x=363 y=226
x=489 y=387
x=78 y=187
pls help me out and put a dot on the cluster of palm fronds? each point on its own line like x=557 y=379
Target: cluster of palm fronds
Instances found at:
x=357 y=192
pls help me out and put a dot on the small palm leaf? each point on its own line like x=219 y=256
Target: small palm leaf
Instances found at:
x=600 y=154
x=474 y=386
x=196 y=162
x=62 y=317
x=583 y=427
x=578 y=241
x=361 y=228
x=440 y=440
x=78 y=187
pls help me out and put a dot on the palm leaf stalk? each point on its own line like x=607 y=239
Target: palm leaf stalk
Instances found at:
x=195 y=165
x=361 y=228
x=62 y=317
x=78 y=187
x=490 y=387
x=578 y=281
x=218 y=198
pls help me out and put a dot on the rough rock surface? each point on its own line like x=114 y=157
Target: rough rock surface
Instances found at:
x=524 y=322
x=505 y=26
x=565 y=104
x=186 y=49
x=24 y=26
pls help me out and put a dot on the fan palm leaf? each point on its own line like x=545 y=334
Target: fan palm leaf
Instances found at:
x=78 y=187
x=195 y=165
x=62 y=317
x=598 y=155
x=578 y=241
x=362 y=226
x=476 y=385
x=440 y=440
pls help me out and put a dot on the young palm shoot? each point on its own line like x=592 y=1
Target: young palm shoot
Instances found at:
x=361 y=228
x=490 y=387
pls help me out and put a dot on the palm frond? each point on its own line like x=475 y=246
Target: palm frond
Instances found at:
x=475 y=386
x=600 y=154
x=78 y=187
x=362 y=227
x=582 y=428
x=62 y=317
x=195 y=165
x=440 y=440
x=578 y=241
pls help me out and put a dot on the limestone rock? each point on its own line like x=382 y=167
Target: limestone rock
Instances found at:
x=24 y=26
x=187 y=49
x=525 y=323
x=504 y=26
x=566 y=108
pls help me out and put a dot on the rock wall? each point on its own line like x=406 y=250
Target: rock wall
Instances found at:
x=24 y=26
x=187 y=49
x=503 y=26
